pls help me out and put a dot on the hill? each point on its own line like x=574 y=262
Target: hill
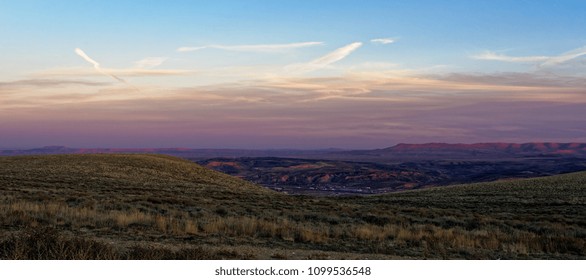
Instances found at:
x=160 y=207
x=118 y=172
x=478 y=151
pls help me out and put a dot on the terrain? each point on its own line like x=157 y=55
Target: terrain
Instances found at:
x=394 y=154
x=178 y=152
x=331 y=177
x=161 y=207
x=478 y=151
x=348 y=172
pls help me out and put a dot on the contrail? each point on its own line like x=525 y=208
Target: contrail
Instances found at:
x=254 y=48
x=83 y=55
x=336 y=55
x=383 y=41
x=541 y=61
x=488 y=55
x=325 y=60
x=573 y=54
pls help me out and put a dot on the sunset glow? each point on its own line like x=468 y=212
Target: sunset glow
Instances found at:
x=290 y=74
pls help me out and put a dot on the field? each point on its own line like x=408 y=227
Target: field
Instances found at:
x=161 y=207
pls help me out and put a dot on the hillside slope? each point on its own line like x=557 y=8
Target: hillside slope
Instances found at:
x=159 y=207
x=118 y=179
x=133 y=169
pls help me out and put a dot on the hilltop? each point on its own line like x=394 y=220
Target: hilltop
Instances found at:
x=160 y=207
x=120 y=171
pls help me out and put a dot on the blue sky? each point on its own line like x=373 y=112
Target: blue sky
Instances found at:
x=430 y=32
x=299 y=56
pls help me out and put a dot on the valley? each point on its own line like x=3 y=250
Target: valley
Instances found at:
x=132 y=206
x=354 y=172
x=331 y=177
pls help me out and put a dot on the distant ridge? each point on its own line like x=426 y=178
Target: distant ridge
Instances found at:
x=179 y=152
x=477 y=151
x=533 y=148
x=403 y=151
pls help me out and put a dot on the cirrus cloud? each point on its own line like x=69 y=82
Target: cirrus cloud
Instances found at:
x=325 y=60
x=383 y=41
x=253 y=48
x=150 y=62
x=541 y=61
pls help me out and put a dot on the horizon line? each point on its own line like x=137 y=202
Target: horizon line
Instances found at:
x=280 y=149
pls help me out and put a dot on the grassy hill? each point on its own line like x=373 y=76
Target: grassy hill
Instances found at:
x=161 y=207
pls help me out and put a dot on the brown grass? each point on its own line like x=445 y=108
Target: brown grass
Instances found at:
x=157 y=207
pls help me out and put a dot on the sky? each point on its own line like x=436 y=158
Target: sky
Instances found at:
x=290 y=74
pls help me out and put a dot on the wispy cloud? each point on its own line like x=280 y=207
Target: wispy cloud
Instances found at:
x=150 y=62
x=190 y=49
x=541 y=61
x=48 y=83
x=488 y=55
x=96 y=65
x=131 y=72
x=325 y=60
x=573 y=54
x=336 y=55
x=383 y=41
x=253 y=48
x=344 y=108
x=535 y=80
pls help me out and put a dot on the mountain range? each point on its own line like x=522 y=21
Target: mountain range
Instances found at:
x=399 y=152
x=483 y=151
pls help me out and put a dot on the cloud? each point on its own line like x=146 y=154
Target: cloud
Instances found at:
x=151 y=72
x=542 y=61
x=97 y=65
x=555 y=60
x=336 y=55
x=47 y=83
x=150 y=62
x=253 y=48
x=326 y=110
x=325 y=60
x=131 y=72
x=383 y=41
x=190 y=49
x=537 y=80
x=488 y=55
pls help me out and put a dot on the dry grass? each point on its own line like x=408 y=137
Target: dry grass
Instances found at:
x=97 y=207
